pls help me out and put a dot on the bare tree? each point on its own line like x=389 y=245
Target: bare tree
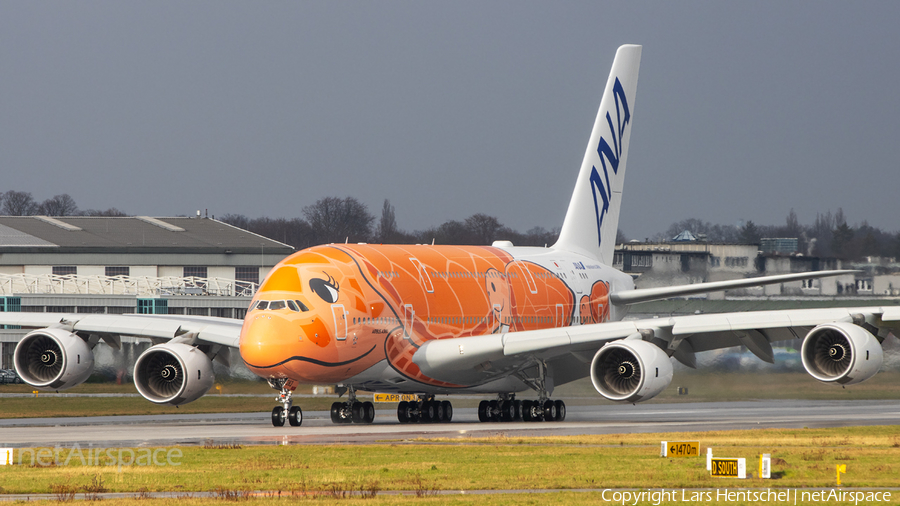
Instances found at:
x=60 y=205
x=484 y=228
x=18 y=204
x=112 y=211
x=387 y=227
x=335 y=220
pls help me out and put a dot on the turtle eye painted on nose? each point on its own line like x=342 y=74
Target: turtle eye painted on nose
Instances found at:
x=326 y=289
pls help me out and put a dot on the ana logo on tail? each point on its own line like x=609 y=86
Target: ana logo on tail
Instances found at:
x=609 y=154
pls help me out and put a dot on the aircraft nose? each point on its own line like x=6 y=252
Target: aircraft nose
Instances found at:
x=267 y=339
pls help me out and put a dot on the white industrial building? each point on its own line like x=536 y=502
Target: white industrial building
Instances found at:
x=194 y=266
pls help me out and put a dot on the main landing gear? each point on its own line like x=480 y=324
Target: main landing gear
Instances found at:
x=352 y=411
x=509 y=409
x=425 y=410
x=287 y=410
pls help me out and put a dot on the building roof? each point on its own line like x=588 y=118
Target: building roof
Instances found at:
x=132 y=234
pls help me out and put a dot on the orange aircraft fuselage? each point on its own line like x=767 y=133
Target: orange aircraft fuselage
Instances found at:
x=329 y=313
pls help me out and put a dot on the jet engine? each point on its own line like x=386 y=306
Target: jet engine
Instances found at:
x=55 y=359
x=630 y=371
x=173 y=373
x=841 y=352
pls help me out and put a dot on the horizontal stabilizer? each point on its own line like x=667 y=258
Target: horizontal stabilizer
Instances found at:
x=648 y=294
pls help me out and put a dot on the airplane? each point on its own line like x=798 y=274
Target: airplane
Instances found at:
x=429 y=320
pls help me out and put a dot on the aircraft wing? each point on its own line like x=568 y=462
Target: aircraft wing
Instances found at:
x=212 y=330
x=484 y=358
x=665 y=292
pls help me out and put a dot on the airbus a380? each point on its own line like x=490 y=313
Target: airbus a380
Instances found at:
x=430 y=320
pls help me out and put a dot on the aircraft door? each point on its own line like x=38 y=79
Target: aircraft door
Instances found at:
x=408 y=317
x=340 y=321
x=560 y=315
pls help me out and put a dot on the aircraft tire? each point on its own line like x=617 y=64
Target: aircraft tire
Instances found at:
x=549 y=411
x=560 y=411
x=448 y=411
x=368 y=410
x=357 y=414
x=483 y=414
x=278 y=416
x=295 y=416
x=403 y=412
x=336 y=412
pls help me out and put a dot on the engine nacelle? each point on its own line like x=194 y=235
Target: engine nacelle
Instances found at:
x=841 y=352
x=630 y=371
x=173 y=373
x=54 y=359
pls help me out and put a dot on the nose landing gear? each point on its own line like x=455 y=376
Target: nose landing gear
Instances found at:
x=287 y=411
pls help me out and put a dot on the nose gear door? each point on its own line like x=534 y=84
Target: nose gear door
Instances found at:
x=340 y=321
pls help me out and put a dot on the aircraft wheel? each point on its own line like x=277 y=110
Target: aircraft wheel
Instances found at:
x=549 y=410
x=526 y=411
x=494 y=411
x=448 y=411
x=560 y=411
x=295 y=416
x=483 y=411
x=429 y=412
x=518 y=407
x=438 y=412
x=403 y=412
x=336 y=412
x=368 y=412
x=278 y=416
x=508 y=411
x=356 y=411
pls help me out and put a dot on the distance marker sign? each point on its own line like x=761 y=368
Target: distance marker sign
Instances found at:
x=680 y=449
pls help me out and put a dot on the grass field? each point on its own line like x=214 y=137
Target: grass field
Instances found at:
x=801 y=458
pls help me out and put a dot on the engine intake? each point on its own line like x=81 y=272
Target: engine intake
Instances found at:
x=841 y=352
x=53 y=359
x=630 y=371
x=173 y=373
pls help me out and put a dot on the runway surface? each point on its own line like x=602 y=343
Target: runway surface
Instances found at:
x=317 y=428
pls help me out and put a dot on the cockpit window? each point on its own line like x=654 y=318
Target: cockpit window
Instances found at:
x=277 y=304
x=302 y=306
x=262 y=304
x=292 y=305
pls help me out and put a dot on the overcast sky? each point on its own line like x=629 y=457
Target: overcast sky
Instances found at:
x=744 y=110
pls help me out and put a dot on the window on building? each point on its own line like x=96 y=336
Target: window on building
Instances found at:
x=64 y=270
x=118 y=271
x=195 y=271
x=221 y=312
x=119 y=310
x=198 y=311
x=736 y=261
x=248 y=274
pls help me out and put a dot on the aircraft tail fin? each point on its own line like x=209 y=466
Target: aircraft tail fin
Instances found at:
x=593 y=216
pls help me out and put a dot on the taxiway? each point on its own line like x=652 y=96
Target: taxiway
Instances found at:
x=317 y=428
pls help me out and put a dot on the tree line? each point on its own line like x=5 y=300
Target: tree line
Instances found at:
x=335 y=220
x=16 y=203
x=829 y=235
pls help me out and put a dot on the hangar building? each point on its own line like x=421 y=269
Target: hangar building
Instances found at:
x=139 y=264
